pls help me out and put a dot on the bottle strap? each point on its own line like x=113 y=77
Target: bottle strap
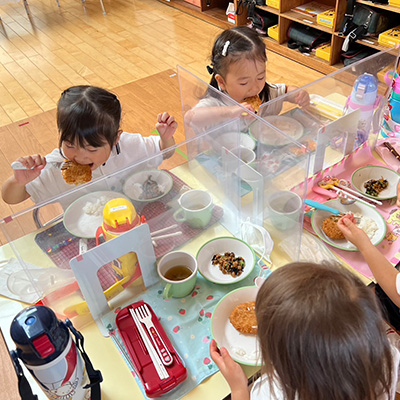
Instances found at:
x=95 y=376
x=24 y=388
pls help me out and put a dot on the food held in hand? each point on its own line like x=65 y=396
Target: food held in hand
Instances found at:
x=229 y=263
x=76 y=174
x=330 y=228
x=150 y=189
x=254 y=101
x=243 y=318
x=373 y=187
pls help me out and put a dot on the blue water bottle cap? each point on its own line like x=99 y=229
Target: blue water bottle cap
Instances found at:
x=39 y=336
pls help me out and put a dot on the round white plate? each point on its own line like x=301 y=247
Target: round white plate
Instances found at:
x=133 y=185
x=271 y=137
x=243 y=348
x=357 y=208
x=364 y=174
x=220 y=246
x=81 y=224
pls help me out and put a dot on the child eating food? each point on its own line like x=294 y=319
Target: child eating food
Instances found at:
x=88 y=121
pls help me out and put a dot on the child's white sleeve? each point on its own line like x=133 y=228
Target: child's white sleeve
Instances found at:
x=398 y=283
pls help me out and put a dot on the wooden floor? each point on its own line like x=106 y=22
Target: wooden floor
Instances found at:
x=55 y=48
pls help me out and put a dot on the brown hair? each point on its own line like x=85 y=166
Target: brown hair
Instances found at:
x=88 y=115
x=243 y=43
x=322 y=334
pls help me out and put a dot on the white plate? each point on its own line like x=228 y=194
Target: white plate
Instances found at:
x=84 y=225
x=271 y=137
x=364 y=174
x=220 y=246
x=357 y=208
x=133 y=185
x=243 y=348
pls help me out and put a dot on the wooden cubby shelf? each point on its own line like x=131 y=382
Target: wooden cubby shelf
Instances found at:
x=214 y=11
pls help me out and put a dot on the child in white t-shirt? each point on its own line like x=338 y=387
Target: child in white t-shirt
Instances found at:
x=238 y=69
x=88 y=120
x=321 y=335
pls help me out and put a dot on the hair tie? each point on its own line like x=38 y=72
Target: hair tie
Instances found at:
x=225 y=49
x=210 y=69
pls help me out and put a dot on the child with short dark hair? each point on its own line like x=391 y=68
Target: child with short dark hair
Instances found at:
x=322 y=337
x=88 y=120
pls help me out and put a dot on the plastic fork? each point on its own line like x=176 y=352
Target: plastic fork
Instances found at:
x=19 y=165
x=144 y=315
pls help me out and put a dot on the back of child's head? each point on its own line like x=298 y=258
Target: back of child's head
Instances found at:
x=88 y=116
x=233 y=45
x=322 y=334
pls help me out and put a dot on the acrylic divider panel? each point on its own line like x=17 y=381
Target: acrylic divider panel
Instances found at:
x=267 y=160
x=345 y=110
x=154 y=189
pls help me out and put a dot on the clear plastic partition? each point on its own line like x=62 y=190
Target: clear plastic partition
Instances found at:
x=272 y=163
x=344 y=110
x=115 y=227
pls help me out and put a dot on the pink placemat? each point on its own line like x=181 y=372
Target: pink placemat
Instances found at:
x=390 y=246
x=385 y=153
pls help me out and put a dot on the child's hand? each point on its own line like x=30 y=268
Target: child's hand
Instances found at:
x=229 y=368
x=352 y=232
x=33 y=164
x=166 y=126
x=301 y=98
x=242 y=112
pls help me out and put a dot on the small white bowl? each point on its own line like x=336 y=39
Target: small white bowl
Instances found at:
x=364 y=174
x=243 y=348
x=229 y=140
x=246 y=155
x=220 y=246
x=133 y=185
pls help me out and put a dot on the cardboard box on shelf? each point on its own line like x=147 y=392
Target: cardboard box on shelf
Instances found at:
x=390 y=38
x=324 y=52
x=230 y=12
x=394 y=3
x=327 y=18
x=274 y=3
x=312 y=9
x=273 y=32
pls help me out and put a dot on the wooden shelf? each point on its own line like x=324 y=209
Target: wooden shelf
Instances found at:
x=306 y=20
x=213 y=11
x=382 y=6
x=269 y=9
x=311 y=60
x=370 y=42
x=215 y=15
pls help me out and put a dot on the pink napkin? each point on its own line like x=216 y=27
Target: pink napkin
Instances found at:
x=385 y=153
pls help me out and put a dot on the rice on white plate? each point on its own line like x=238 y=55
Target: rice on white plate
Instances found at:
x=96 y=207
x=367 y=224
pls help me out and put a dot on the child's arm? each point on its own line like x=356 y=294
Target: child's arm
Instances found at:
x=166 y=127
x=301 y=98
x=13 y=190
x=384 y=272
x=208 y=116
x=231 y=371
